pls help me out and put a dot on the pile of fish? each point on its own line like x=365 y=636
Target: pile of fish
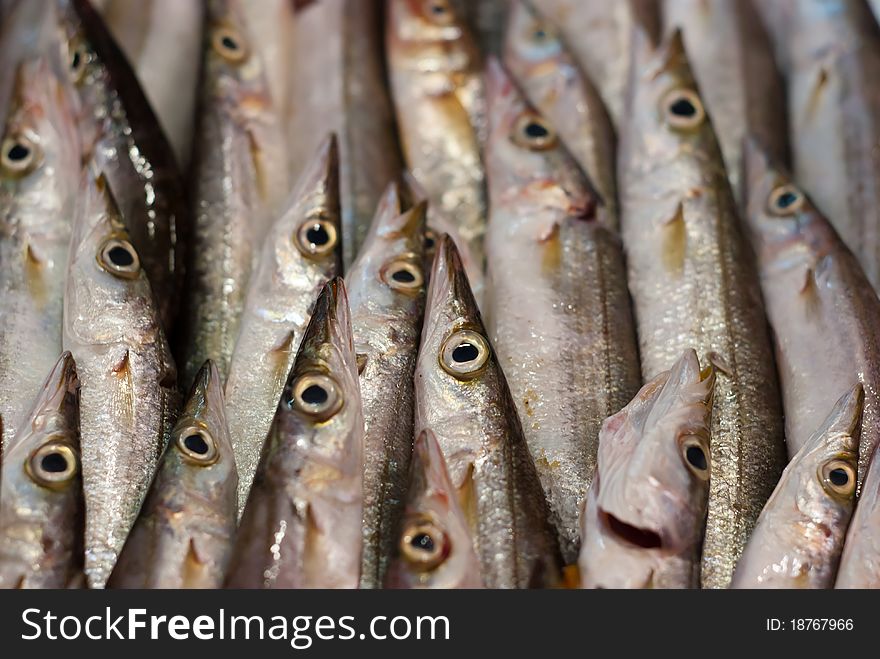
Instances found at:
x=439 y=294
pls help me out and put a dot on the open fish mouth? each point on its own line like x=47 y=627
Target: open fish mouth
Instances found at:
x=634 y=535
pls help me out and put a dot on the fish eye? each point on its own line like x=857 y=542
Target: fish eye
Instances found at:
x=197 y=445
x=464 y=354
x=229 y=44
x=424 y=545
x=683 y=109
x=402 y=275
x=315 y=395
x=838 y=478
x=695 y=456
x=53 y=465
x=118 y=257
x=439 y=12
x=785 y=200
x=19 y=155
x=316 y=237
x=77 y=58
x=534 y=132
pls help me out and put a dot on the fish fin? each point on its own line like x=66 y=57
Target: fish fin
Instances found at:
x=193 y=566
x=362 y=359
x=281 y=356
x=467 y=498
x=717 y=363
x=674 y=244
x=122 y=401
x=259 y=172
x=818 y=92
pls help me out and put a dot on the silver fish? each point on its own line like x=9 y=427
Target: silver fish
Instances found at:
x=302 y=524
x=41 y=499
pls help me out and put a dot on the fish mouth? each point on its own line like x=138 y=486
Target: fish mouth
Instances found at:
x=634 y=535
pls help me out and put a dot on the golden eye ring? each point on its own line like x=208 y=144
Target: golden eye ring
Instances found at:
x=464 y=354
x=53 y=465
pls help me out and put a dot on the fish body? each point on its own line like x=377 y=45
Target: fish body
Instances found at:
x=300 y=254
x=438 y=92
x=128 y=399
x=41 y=499
x=434 y=546
x=646 y=509
x=694 y=285
x=823 y=311
x=239 y=180
x=184 y=532
x=462 y=396
x=130 y=148
x=301 y=527
x=39 y=178
x=386 y=286
x=799 y=536
x=552 y=241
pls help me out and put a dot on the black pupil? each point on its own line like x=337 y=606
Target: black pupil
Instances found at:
x=839 y=477
x=540 y=33
x=229 y=43
x=197 y=444
x=536 y=130
x=120 y=257
x=403 y=276
x=314 y=395
x=438 y=9
x=423 y=541
x=75 y=60
x=429 y=242
x=786 y=199
x=683 y=108
x=466 y=352
x=696 y=457
x=18 y=152
x=54 y=463
x=317 y=235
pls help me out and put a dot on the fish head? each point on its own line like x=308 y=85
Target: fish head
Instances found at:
x=434 y=548
x=654 y=463
x=307 y=236
x=531 y=42
x=200 y=445
x=525 y=157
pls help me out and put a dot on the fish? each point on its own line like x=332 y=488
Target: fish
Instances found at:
x=823 y=311
x=646 y=510
x=694 y=285
x=130 y=148
x=113 y=329
x=552 y=241
x=600 y=34
x=434 y=547
x=437 y=89
x=339 y=86
x=183 y=535
x=799 y=536
x=301 y=527
x=41 y=496
x=541 y=63
x=239 y=183
x=734 y=65
x=39 y=178
x=463 y=397
x=161 y=39
x=300 y=254
x=860 y=562
x=830 y=53
x=386 y=291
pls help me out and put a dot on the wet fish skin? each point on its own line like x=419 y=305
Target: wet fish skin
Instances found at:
x=434 y=546
x=799 y=536
x=823 y=311
x=301 y=527
x=540 y=61
x=600 y=35
x=733 y=63
x=646 y=509
x=462 y=396
x=239 y=181
x=183 y=535
x=438 y=93
x=694 y=284
x=37 y=188
x=130 y=149
x=41 y=499
x=386 y=317
x=281 y=293
x=552 y=241
x=128 y=398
